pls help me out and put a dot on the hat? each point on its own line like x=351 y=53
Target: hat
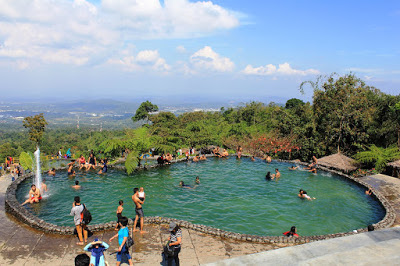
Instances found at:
x=172 y=226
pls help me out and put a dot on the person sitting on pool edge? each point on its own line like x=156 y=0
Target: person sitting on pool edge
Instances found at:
x=70 y=166
x=34 y=195
x=292 y=232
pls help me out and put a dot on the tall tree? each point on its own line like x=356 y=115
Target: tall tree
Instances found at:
x=143 y=111
x=343 y=109
x=36 y=125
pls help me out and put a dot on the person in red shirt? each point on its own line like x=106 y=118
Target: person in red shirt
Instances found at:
x=292 y=232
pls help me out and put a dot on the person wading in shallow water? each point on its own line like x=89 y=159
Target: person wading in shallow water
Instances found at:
x=138 y=210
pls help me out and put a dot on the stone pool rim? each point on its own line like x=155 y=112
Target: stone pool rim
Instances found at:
x=13 y=207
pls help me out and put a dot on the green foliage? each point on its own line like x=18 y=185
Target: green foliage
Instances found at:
x=379 y=156
x=343 y=110
x=26 y=160
x=143 y=111
x=36 y=125
x=131 y=162
x=293 y=103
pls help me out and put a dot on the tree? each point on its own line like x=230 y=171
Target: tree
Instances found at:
x=343 y=109
x=143 y=111
x=36 y=125
x=395 y=112
x=292 y=103
x=379 y=156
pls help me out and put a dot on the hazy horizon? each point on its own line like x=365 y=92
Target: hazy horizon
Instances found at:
x=224 y=50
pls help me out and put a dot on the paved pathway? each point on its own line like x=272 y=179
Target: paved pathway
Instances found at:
x=21 y=245
x=389 y=187
x=370 y=248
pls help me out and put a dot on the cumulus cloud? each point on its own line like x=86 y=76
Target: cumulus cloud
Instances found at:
x=146 y=59
x=282 y=69
x=207 y=59
x=78 y=31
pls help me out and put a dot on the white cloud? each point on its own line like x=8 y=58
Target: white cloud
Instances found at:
x=181 y=49
x=146 y=59
x=282 y=69
x=77 y=32
x=207 y=59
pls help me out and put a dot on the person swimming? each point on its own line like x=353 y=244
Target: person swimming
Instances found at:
x=182 y=184
x=52 y=172
x=197 y=181
x=76 y=186
x=293 y=167
x=292 y=232
x=303 y=194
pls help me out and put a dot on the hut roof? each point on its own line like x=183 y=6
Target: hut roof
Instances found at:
x=338 y=161
x=395 y=164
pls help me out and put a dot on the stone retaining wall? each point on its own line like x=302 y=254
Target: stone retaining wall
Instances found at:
x=13 y=207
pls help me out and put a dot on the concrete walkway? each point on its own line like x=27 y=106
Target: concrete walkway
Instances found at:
x=389 y=187
x=370 y=248
x=21 y=245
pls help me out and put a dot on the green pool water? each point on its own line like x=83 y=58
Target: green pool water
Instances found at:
x=233 y=195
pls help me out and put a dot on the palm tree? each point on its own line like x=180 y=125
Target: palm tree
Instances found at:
x=379 y=156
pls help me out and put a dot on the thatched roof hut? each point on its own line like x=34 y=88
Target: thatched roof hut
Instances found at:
x=396 y=168
x=395 y=164
x=339 y=162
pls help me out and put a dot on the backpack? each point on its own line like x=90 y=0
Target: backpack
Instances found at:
x=86 y=216
x=169 y=251
x=129 y=242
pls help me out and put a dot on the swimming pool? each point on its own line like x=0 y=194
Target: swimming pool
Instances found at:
x=233 y=196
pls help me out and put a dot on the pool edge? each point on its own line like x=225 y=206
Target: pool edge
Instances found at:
x=13 y=207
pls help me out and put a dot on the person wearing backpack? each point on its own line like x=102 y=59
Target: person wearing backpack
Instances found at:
x=123 y=235
x=76 y=211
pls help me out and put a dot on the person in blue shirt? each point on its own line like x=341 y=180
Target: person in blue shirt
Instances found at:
x=97 y=249
x=123 y=233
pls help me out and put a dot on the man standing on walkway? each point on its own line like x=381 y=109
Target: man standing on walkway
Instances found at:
x=138 y=210
x=76 y=211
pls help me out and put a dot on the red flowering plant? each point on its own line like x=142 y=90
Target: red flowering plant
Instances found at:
x=274 y=145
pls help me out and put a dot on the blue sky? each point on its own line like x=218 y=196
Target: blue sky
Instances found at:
x=218 y=50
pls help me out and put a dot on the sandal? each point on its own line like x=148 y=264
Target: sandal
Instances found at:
x=80 y=243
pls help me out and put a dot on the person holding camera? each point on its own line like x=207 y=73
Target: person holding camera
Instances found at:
x=97 y=248
x=76 y=211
